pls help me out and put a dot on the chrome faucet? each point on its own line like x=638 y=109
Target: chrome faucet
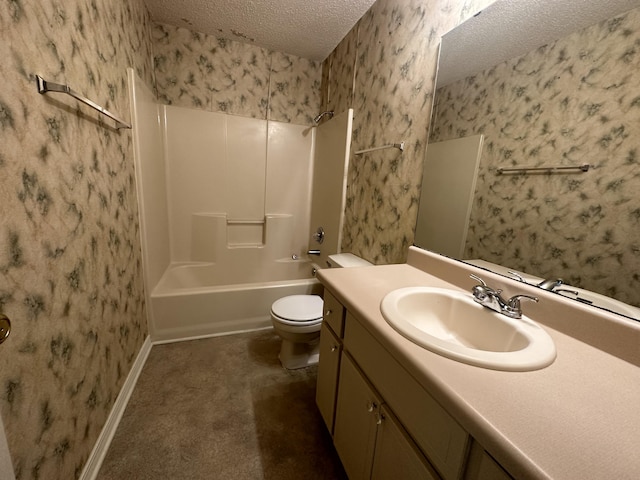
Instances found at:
x=490 y=298
x=550 y=284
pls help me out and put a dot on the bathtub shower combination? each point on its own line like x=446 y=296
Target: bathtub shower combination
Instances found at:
x=237 y=275
x=194 y=300
x=225 y=209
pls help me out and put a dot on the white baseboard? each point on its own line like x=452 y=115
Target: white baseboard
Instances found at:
x=185 y=337
x=211 y=329
x=94 y=462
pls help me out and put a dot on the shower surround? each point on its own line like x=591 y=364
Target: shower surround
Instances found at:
x=225 y=206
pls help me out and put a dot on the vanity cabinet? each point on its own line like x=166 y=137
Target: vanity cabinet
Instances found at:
x=357 y=415
x=481 y=466
x=435 y=432
x=333 y=314
x=383 y=422
x=331 y=334
x=396 y=455
x=328 y=369
x=369 y=440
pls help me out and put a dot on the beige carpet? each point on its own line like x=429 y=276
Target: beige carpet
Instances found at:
x=222 y=408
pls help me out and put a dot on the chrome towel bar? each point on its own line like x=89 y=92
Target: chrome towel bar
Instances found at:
x=399 y=146
x=44 y=87
x=582 y=168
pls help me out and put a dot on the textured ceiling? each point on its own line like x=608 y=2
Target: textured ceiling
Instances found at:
x=508 y=28
x=308 y=29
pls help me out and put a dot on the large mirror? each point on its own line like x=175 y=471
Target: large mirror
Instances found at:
x=547 y=84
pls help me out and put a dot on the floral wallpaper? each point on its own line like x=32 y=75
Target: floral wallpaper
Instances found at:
x=385 y=69
x=201 y=71
x=574 y=101
x=340 y=71
x=70 y=267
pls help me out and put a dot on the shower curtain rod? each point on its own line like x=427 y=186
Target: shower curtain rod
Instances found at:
x=44 y=87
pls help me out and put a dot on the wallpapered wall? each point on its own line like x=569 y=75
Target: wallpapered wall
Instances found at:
x=385 y=68
x=201 y=71
x=574 y=101
x=70 y=268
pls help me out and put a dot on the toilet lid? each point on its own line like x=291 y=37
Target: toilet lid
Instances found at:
x=299 y=308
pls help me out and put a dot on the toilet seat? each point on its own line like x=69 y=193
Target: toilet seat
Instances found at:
x=298 y=310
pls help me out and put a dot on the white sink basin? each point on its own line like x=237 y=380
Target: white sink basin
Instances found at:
x=452 y=324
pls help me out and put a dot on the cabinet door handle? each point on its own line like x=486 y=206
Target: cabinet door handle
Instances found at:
x=379 y=418
x=372 y=407
x=334 y=348
x=327 y=313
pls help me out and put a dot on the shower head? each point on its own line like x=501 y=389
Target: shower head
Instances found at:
x=319 y=117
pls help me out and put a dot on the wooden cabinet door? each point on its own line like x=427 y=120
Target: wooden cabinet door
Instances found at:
x=333 y=313
x=357 y=410
x=328 y=369
x=437 y=434
x=481 y=466
x=396 y=455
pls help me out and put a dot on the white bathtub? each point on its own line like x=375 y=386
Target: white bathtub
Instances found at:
x=206 y=299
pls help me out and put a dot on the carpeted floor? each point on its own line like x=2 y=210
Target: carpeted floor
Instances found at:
x=222 y=408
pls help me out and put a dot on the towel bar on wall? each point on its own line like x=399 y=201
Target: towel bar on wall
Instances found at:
x=399 y=146
x=581 y=168
x=44 y=87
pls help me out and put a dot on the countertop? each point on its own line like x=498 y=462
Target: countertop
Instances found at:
x=578 y=418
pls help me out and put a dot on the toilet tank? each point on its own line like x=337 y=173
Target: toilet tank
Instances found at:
x=346 y=260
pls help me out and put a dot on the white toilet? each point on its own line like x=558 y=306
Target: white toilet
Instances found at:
x=297 y=320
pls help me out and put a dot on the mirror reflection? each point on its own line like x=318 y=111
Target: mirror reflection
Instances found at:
x=570 y=102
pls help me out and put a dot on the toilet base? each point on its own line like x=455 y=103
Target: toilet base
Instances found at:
x=294 y=355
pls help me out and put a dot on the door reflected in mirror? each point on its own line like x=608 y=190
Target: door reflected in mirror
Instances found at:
x=448 y=183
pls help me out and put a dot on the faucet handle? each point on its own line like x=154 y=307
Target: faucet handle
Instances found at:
x=565 y=290
x=514 y=302
x=513 y=308
x=517 y=275
x=551 y=283
x=483 y=286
